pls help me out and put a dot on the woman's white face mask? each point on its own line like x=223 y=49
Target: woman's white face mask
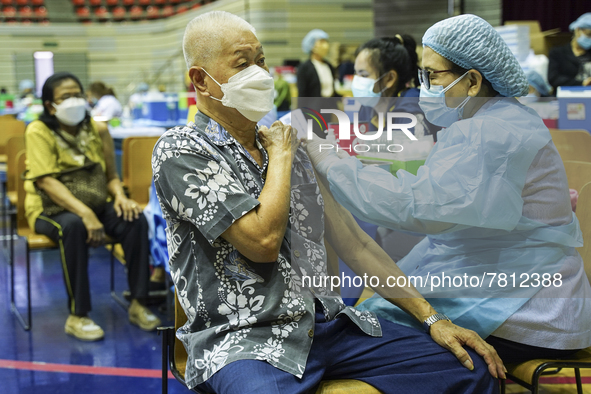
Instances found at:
x=251 y=92
x=363 y=87
x=432 y=103
x=71 y=111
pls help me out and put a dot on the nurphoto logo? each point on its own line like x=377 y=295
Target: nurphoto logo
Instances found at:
x=347 y=131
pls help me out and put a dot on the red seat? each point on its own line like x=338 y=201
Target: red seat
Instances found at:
x=128 y=2
x=78 y=3
x=160 y=2
x=6 y=2
x=25 y=12
x=145 y=2
x=95 y=3
x=82 y=12
x=37 y=2
x=136 y=12
x=40 y=12
x=152 y=12
x=119 y=13
x=181 y=9
x=112 y=3
x=9 y=12
x=101 y=12
x=21 y=2
x=167 y=11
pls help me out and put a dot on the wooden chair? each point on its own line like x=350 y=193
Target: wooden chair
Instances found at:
x=9 y=126
x=174 y=352
x=33 y=241
x=15 y=144
x=573 y=145
x=137 y=167
x=528 y=373
x=578 y=173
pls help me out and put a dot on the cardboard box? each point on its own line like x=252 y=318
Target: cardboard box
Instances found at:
x=517 y=39
x=537 y=37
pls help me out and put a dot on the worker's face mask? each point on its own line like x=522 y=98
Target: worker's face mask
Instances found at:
x=251 y=92
x=71 y=111
x=432 y=102
x=584 y=41
x=363 y=87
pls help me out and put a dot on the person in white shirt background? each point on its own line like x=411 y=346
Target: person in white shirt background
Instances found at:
x=105 y=104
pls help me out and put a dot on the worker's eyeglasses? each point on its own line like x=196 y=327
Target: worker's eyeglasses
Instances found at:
x=67 y=96
x=424 y=76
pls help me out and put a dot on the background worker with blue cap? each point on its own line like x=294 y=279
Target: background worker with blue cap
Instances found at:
x=492 y=199
x=537 y=86
x=26 y=89
x=570 y=65
x=315 y=77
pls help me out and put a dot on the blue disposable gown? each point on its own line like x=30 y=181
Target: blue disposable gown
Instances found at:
x=467 y=199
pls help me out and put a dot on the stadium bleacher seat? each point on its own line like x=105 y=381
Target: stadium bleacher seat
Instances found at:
x=102 y=13
x=41 y=12
x=167 y=10
x=136 y=12
x=25 y=12
x=119 y=13
x=152 y=12
x=83 y=12
x=9 y=12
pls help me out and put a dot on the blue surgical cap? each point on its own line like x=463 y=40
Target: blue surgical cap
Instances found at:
x=536 y=80
x=584 y=22
x=311 y=38
x=142 y=87
x=471 y=42
x=25 y=84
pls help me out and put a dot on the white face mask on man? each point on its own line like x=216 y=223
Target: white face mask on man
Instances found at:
x=71 y=111
x=251 y=92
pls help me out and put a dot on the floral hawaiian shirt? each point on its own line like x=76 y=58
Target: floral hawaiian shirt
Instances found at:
x=238 y=309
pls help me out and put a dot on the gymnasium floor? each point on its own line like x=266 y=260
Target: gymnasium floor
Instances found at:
x=47 y=361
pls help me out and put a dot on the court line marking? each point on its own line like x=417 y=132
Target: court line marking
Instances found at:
x=82 y=369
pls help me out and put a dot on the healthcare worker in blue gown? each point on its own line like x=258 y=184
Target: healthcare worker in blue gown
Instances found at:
x=492 y=198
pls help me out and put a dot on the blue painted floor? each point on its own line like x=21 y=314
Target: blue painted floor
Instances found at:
x=124 y=346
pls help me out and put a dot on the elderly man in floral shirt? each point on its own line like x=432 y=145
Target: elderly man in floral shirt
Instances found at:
x=246 y=224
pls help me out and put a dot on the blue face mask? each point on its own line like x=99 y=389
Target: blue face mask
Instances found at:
x=432 y=103
x=363 y=87
x=584 y=41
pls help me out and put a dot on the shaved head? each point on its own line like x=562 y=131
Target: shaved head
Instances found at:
x=204 y=36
